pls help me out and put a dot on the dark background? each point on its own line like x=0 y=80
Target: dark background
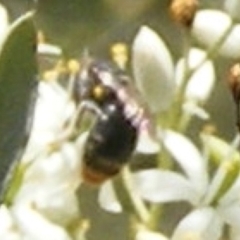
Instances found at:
x=96 y=24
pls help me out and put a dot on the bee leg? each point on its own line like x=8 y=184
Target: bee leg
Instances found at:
x=71 y=85
x=91 y=107
x=71 y=127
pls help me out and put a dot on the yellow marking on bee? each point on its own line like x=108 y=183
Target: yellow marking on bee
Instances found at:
x=99 y=92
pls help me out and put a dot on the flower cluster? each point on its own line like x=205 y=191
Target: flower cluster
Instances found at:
x=44 y=204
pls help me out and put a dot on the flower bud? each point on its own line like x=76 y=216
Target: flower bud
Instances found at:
x=183 y=11
x=234 y=81
x=234 y=85
x=233 y=8
x=201 y=83
x=119 y=53
x=215 y=29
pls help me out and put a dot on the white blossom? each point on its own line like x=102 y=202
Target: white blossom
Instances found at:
x=206 y=221
x=35 y=226
x=233 y=8
x=195 y=187
x=50 y=184
x=153 y=69
x=51 y=177
x=209 y=27
x=53 y=109
x=201 y=82
x=201 y=224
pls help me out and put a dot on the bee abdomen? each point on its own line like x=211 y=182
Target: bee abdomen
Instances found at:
x=108 y=147
x=96 y=171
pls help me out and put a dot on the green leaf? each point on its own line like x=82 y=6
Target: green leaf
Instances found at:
x=18 y=86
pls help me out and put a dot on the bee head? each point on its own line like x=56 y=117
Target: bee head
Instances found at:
x=96 y=81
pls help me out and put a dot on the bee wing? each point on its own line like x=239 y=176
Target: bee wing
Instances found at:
x=132 y=100
x=131 y=94
x=18 y=85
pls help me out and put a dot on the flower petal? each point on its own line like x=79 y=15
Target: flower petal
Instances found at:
x=201 y=224
x=163 y=186
x=234 y=233
x=54 y=103
x=153 y=69
x=210 y=25
x=144 y=234
x=231 y=214
x=51 y=202
x=50 y=183
x=233 y=8
x=230 y=48
x=202 y=81
x=8 y=230
x=192 y=109
x=188 y=157
x=36 y=227
x=232 y=195
x=107 y=198
x=58 y=167
x=4 y=23
x=48 y=49
x=146 y=144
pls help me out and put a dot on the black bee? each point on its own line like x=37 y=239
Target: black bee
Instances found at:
x=104 y=90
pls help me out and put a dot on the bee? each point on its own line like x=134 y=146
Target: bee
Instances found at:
x=104 y=89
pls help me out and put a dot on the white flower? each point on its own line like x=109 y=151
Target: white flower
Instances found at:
x=153 y=69
x=200 y=224
x=200 y=83
x=210 y=26
x=52 y=177
x=212 y=210
x=35 y=226
x=46 y=200
x=50 y=183
x=26 y=223
x=233 y=8
x=190 y=160
x=53 y=109
x=202 y=80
